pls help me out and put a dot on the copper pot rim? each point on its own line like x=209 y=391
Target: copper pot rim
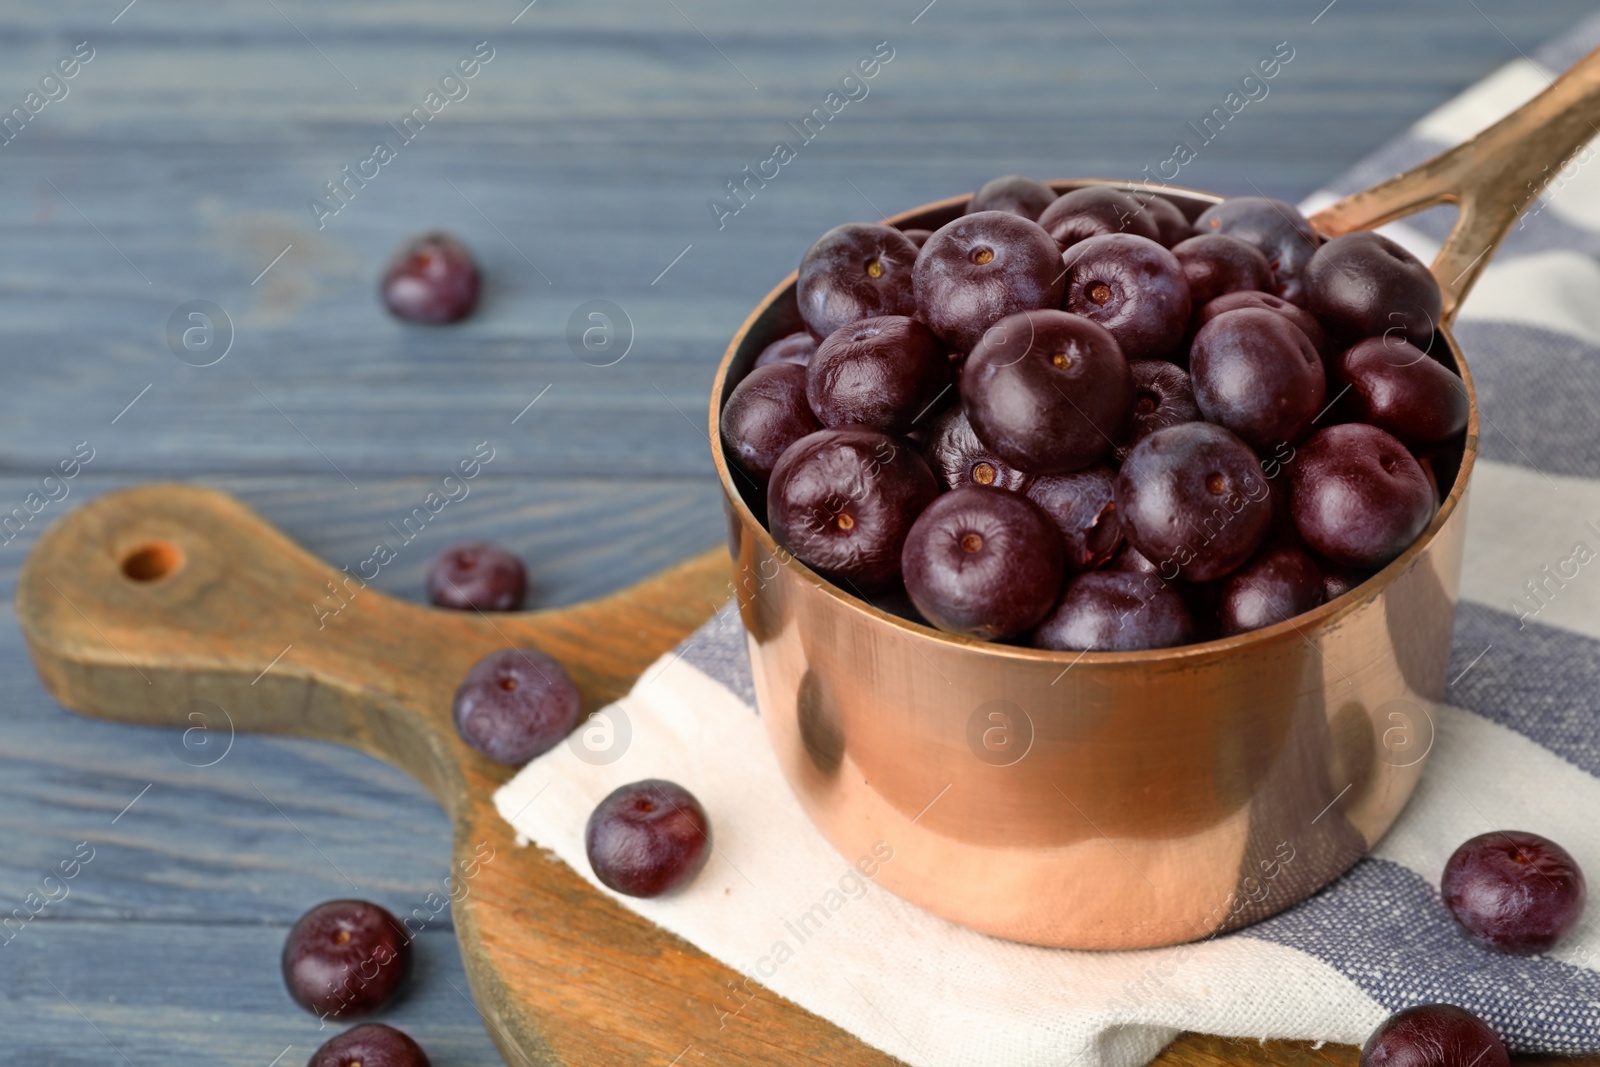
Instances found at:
x=1319 y=618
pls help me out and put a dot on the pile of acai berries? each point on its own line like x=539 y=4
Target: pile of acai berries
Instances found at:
x=1087 y=422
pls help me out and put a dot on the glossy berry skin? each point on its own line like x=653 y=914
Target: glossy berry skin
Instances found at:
x=1214 y=264
x=1130 y=559
x=1172 y=225
x=1095 y=210
x=1434 y=1035
x=1396 y=387
x=515 y=704
x=344 y=958
x=1255 y=373
x=1365 y=285
x=1015 y=194
x=1357 y=496
x=1302 y=318
x=1134 y=288
x=1048 y=391
x=795 y=348
x=1083 y=508
x=1278 y=583
x=978 y=269
x=1514 y=891
x=982 y=562
x=647 y=838
x=1116 y=611
x=765 y=414
x=369 y=1045
x=477 y=577
x=843 y=500
x=885 y=373
x=856 y=271
x=958 y=458
x=1192 y=499
x=1337 y=580
x=1162 y=397
x=432 y=280
x=1277 y=229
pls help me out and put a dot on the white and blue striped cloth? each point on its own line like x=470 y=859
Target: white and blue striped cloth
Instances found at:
x=1518 y=746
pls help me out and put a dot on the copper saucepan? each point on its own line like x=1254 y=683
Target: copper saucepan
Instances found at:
x=1126 y=800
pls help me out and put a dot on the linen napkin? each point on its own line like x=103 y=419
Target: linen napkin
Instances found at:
x=1518 y=746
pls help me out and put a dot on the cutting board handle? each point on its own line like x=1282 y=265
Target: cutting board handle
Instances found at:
x=174 y=605
x=1493 y=178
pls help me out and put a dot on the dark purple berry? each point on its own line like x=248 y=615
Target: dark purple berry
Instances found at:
x=982 y=562
x=515 y=704
x=344 y=958
x=975 y=271
x=1432 y=475
x=1134 y=288
x=1434 y=1035
x=432 y=280
x=795 y=348
x=885 y=373
x=1365 y=285
x=1255 y=373
x=765 y=414
x=1083 y=507
x=1116 y=611
x=477 y=577
x=1337 y=579
x=1095 y=210
x=1048 y=391
x=959 y=458
x=1514 y=891
x=1215 y=264
x=647 y=838
x=1172 y=225
x=1249 y=298
x=1280 y=582
x=843 y=500
x=855 y=271
x=1014 y=194
x=1358 y=496
x=1130 y=559
x=1162 y=397
x=1396 y=387
x=1193 y=500
x=1283 y=528
x=1277 y=229
x=369 y=1045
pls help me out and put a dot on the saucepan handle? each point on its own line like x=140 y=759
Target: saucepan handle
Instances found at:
x=1493 y=178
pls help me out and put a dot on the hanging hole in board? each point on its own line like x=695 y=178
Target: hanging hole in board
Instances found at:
x=151 y=562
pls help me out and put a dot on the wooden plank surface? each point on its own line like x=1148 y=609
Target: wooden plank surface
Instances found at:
x=590 y=145
x=547 y=958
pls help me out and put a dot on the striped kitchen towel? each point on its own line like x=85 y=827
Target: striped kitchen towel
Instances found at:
x=1518 y=746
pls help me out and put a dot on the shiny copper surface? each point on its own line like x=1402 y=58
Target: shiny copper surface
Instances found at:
x=1124 y=800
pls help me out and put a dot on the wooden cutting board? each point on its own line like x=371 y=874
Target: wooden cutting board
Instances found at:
x=144 y=602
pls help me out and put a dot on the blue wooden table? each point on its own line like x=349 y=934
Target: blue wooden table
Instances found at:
x=173 y=151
